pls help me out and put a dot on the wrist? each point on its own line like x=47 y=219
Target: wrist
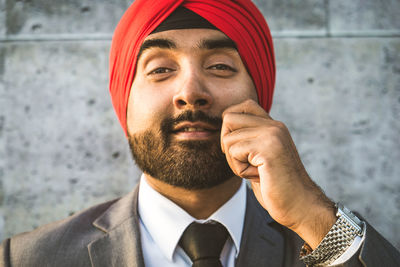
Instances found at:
x=316 y=222
x=339 y=238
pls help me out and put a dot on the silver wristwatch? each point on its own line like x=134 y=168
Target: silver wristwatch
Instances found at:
x=336 y=241
x=352 y=219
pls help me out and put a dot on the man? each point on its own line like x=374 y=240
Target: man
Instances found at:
x=192 y=82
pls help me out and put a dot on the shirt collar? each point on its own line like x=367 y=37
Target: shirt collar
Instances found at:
x=165 y=221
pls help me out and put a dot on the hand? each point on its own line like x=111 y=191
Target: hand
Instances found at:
x=261 y=150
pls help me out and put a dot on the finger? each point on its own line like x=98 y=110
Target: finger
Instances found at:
x=240 y=120
x=229 y=138
x=249 y=126
x=243 y=169
x=247 y=107
x=235 y=121
x=239 y=159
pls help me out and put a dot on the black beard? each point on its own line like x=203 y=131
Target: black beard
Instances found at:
x=191 y=165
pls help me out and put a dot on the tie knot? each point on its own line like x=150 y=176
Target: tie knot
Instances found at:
x=203 y=243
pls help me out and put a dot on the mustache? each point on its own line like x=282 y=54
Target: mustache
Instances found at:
x=192 y=116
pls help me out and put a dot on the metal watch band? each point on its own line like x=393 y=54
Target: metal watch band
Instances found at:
x=335 y=243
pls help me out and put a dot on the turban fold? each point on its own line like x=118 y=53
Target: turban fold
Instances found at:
x=240 y=20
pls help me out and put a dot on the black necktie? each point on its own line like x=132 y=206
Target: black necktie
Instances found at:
x=203 y=243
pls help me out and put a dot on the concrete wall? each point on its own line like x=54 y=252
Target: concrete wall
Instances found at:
x=62 y=149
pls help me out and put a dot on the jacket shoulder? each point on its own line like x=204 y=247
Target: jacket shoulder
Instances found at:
x=59 y=243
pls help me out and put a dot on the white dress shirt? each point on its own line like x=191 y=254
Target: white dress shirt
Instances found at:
x=162 y=224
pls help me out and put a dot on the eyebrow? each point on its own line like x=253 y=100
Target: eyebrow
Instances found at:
x=217 y=43
x=208 y=44
x=156 y=43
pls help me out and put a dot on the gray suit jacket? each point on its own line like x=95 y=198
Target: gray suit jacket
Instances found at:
x=108 y=235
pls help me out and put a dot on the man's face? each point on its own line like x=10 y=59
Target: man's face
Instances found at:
x=184 y=80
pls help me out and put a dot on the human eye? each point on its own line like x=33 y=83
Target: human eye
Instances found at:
x=222 y=70
x=159 y=66
x=160 y=70
x=160 y=73
x=222 y=67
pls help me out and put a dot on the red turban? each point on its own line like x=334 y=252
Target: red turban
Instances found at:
x=240 y=20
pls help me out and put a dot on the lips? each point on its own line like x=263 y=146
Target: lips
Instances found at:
x=194 y=127
x=193 y=130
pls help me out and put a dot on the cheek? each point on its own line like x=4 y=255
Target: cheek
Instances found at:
x=145 y=110
x=234 y=92
x=253 y=94
x=251 y=90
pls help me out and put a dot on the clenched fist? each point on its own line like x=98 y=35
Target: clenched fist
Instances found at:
x=261 y=150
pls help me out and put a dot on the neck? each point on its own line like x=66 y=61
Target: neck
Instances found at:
x=199 y=203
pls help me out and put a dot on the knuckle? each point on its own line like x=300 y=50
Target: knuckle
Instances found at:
x=228 y=116
x=278 y=128
x=280 y=125
x=231 y=150
x=250 y=102
x=225 y=140
x=248 y=105
x=275 y=130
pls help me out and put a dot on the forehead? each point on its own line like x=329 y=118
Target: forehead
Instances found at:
x=179 y=33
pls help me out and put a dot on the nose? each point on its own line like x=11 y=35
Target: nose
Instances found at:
x=192 y=92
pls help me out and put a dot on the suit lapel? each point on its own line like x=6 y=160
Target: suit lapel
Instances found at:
x=261 y=244
x=120 y=246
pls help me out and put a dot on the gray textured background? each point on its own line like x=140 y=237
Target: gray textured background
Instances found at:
x=62 y=149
